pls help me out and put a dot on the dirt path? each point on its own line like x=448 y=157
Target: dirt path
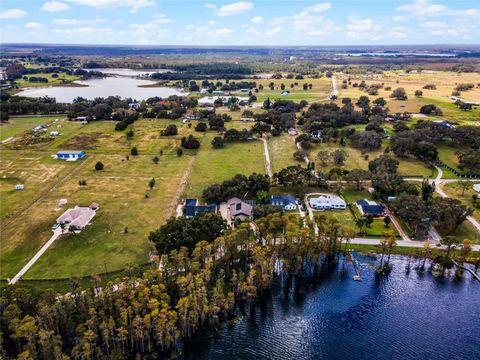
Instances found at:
x=181 y=187
x=267 y=157
x=397 y=225
x=60 y=181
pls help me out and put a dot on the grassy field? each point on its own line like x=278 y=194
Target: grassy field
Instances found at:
x=444 y=81
x=281 y=149
x=17 y=125
x=360 y=159
x=216 y=165
x=455 y=191
x=60 y=80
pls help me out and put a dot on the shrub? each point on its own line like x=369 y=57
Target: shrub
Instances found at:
x=201 y=127
x=99 y=166
x=218 y=142
x=134 y=151
x=190 y=142
x=170 y=130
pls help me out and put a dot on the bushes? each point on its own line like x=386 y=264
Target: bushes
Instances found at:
x=170 y=130
x=430 y=109
x=218 y=142
x=190 y=142
x=201 y=127
x=99 y=166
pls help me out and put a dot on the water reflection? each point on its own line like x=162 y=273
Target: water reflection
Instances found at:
x=399 y=316
x=125 y=87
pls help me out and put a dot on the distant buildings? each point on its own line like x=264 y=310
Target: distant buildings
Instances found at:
x=368 y=207
x=287 y=202
x=70 y=155
x=192 y=208
x=209 y=101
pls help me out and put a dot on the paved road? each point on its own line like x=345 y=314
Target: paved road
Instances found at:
x=267 y=157
x=56 y=233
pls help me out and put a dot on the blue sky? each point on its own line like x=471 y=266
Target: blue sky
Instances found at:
x=262 y=22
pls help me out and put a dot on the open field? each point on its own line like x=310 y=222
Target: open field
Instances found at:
x=17 y=125
x=216 y=165
x=360 y=159
x=444 y=81
x=281 y=149
x=60 y=80
x=455 y=191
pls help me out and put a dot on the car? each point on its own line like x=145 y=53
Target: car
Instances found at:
x=55 y=227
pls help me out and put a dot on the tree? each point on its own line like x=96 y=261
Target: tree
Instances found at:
x=418 y=93
x=151 y=183
x=357 y=176
x=369 y=140
x=218 y=142
x=294 y=176
x=179 y=152
x=361 y=222
x=387 y=220
x=155 y=159
x=324 y=156
x=266 y=104
x=99 y=166
x=339 y=157
x=201 y=127
x=451 y=242
x=190 y=142
x=464 y=185
x=170 y=130
x=399 y=94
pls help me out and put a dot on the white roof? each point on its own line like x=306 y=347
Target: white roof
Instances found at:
x=476 y=187
x=78 y=216
x=327 y=201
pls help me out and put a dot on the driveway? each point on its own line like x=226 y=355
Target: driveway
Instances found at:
x=56 y=234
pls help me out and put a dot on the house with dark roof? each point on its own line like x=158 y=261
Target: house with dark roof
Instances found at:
x=239 y=209
x=192 y=208
x=370 y=208
x=287 y=202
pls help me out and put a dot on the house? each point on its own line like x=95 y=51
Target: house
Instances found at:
x=368 y=207
x=70 y=155
x=285 y=93
x=243 y=119
x=217 y=92
x=285 y=201
x=78 y=217
x=134 y=106
x=476 y=187
x=391 y=199
x=317 y=134
x=19 y=187
x=192 y=208
x=239 y=209
x=81 y=118
x=445 y=124
x=327 y=202
x=292 y=131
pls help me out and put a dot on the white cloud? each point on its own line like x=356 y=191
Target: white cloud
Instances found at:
x=134 y=5
x=358 y=28
x=152 y=30
x=439 y=28
x=12 y=14
x=34 y=26
x=231 y=9
x=310 y=22
x=85 y=30
x=257 y=20
x=400 y=18
x=54 y=6
x=279 y=20
x=97 y=20
x=267 y=32
x=222 y=32
x=399 y=32
x=422 y=8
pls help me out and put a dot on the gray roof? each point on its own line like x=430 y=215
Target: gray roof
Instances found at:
x=239 y=207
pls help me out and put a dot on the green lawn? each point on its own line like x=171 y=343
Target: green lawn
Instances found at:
x=17 y=125
x=216 y=165
x=60 y=80
x=121 y=190
x=281 y=149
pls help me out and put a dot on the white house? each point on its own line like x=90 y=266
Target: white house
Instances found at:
x=78 y=217
x=327 y=202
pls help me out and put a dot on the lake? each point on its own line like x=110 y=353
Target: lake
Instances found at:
x=125 y=87
x=405 y=315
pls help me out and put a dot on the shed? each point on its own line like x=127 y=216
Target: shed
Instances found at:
x=19 y=187
x=70 y=155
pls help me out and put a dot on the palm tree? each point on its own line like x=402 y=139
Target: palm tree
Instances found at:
x=361 y=222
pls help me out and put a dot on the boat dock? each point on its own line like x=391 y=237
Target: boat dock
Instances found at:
x=357 y=276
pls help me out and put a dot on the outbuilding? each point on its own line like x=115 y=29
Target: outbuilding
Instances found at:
x=70 y=155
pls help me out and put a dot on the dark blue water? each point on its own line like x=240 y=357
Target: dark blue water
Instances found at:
x=405 y=315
